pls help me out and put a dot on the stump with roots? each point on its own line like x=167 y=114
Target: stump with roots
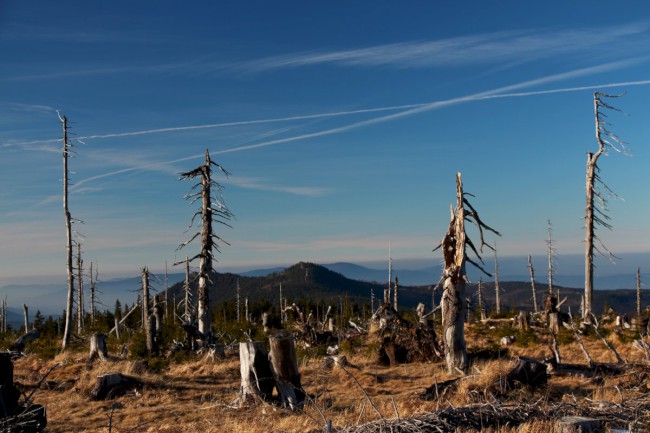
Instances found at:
x=98 y=347
x=257 y=380
x=285 y=370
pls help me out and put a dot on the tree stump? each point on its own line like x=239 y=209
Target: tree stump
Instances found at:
x=257 y=379
x=113 y=385
x=579 y=424
x=523 y=321
x=285 y=370
x=98 y=347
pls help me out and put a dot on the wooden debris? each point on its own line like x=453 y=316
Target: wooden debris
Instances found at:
x=113 y=385
x=526 y=372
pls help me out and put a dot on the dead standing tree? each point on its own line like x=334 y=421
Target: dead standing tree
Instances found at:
x=596 y=191
x=453 y=301
x=213 y=209
x=68 y=226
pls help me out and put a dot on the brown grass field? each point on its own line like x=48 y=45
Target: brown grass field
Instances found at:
x=194 y=396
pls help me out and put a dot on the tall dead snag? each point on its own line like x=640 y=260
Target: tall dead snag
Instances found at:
x=550 y=252
x=80 y=291
x=213 y=209
x=68 y=228
x=596 y=191
x=638 y=293
x=532 y=283
x=497 y=291
x=453 y=301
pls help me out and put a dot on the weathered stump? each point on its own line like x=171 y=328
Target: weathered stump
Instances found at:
x=28 y=337
x=113 y=385
x=257 y=380
x=523 y=320
x=98 y=347
x=285 y=370
x=579 y=424
x=15 y=417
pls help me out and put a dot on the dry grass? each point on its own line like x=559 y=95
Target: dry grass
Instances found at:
x=194 y=396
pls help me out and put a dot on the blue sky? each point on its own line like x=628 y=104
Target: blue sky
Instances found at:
x=343 y=125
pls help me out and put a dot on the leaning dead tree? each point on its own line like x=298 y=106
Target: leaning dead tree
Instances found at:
x=638 y=292
x=80 y=291
x=596 y=192
x=496 y=281
x=68 y=229
x=213 y=210
x=454 y=303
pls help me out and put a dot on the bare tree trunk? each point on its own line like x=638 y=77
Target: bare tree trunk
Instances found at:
x=638 y=292
x=496 y=280
x=549 y=256
x=453 y=296
x=80 y=291
x=148 y=321
x=98 y=347
x=26 y=313
x=166 y=317
x=256 y=375
x=187 y=316
x=68 y=228
x=282 y=306
x=396 y=295
x=481 y=307
x=238 y=304
x=248 y=318
x=92 y=295
x=205 y=261
x=532 y=283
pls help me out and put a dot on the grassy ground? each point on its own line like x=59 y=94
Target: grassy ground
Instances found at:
x=194 y=396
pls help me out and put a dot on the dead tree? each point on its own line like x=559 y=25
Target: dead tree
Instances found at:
x=388 y=290
x=396 y=295
x=496 y=280
x=213 y=210
x=148 y=321
x=80 y=291
x=93 y=299
x=596 y=192
x=68 y=228
x=98 y=347
x=453 y=301
x=638 y=293
x=285 y=370
x=238 y=304
x=257 y=381
x=532 y=283
x=550 y=252
x=26 y=313
x=481 y=307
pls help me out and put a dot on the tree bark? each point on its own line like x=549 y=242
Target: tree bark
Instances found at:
x=98 y=347
x=68 y=229
x=285 y=370
x=453 y=297
x=257 y=380
x=26 y=314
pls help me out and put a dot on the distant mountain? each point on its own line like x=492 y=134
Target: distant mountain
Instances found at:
x=262 y=272
x=421 y=277
x=316 y=282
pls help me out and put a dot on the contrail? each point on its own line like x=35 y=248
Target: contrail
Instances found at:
x=413 y=109
x=407 y=107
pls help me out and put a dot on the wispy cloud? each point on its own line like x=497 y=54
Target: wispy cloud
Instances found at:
x=262 y=185
x=488 y=48
x=21 y=31
x=31 y=108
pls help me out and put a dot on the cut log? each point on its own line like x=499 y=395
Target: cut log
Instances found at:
x=579 y=424
x=28 y=337
x=113 y=385
x=285 y=370
x=257 y=380
x=98 y=347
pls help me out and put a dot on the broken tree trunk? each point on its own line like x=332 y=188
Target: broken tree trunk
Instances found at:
x=257 y=380
x=532 y=283
x=68 y=229
x=285 y=370
x=98 y=347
